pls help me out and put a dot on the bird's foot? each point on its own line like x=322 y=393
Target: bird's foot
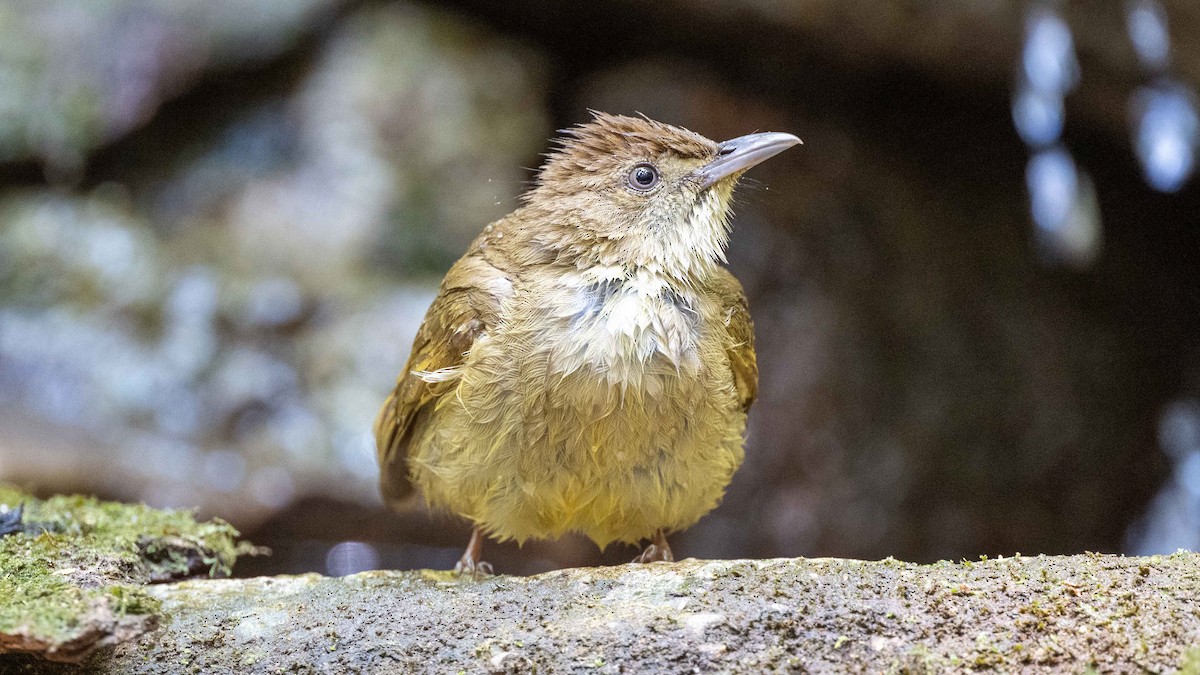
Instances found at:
x=652 y=554
x=657 y=551
x=474 y=568
x=470 y=562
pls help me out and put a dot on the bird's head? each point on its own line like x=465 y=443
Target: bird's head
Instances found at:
x=632 y=192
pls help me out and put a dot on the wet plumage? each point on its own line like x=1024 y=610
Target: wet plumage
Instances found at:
x=588 y=364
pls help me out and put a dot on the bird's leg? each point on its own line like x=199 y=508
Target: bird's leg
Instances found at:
x=470 y=563
x=657 y=551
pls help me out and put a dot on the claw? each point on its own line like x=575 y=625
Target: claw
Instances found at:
x=470 y=563
x=657 y=551
x=647 y=555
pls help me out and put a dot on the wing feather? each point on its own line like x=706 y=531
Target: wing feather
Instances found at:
x=740 y=348
x=466 y=307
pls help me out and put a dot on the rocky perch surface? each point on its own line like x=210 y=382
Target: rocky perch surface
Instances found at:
x=76 y=594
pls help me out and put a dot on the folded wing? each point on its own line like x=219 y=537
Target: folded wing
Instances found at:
x=740 y=347
x=466 y=307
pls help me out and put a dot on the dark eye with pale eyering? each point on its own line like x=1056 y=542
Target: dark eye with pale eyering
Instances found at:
x=643 y=177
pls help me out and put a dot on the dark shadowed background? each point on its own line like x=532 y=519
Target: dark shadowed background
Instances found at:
x=975 y=285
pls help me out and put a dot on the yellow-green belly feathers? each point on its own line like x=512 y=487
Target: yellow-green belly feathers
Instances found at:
x=616 y=416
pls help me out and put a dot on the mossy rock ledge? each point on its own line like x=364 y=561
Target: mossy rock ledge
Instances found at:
x=1076 y=614
x=75 y=572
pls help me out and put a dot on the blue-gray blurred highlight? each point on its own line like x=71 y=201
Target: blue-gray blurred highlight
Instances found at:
x=1166 y=134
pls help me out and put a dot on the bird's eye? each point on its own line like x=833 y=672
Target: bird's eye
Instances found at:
x=643 y=177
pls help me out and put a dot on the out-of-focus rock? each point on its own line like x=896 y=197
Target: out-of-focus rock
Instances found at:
x=406 y=138
x=965 y=45
x=74 y=76
x=225 y=328
x=961 y=40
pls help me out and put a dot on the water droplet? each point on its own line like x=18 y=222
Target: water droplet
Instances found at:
x=1038 y=116
x=1179 y=428
x=1052 y=181
x=1146 y=22
x=1049 y=55
x=1166 y=127
x=1065 y=208
x=1187 y=474
x=350 y=557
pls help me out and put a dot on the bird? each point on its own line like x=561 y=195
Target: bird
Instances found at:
x=587 y=366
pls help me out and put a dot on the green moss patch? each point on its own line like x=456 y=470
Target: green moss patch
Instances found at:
x=73 y=573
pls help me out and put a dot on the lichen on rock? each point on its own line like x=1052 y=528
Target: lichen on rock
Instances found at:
x=73 y=569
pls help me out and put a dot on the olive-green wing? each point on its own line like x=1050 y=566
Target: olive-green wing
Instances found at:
x=467 y=306
x=740 y=348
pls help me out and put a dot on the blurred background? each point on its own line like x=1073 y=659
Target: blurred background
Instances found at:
x=975 y=287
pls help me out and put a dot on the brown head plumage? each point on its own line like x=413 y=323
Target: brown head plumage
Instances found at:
x=630 y=192
x=589 y=149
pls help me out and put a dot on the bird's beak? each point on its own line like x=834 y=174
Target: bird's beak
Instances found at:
x=736 y=155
